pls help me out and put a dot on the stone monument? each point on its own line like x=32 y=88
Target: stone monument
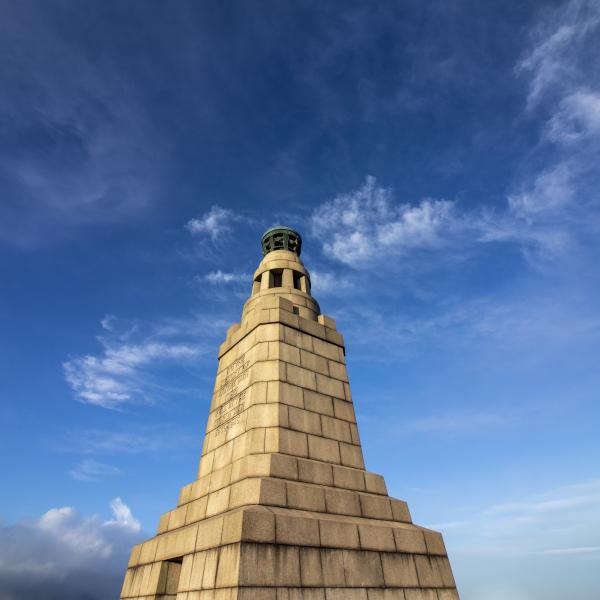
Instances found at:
x=283 y=508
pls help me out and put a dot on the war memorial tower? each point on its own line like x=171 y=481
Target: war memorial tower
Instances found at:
x=283 y=508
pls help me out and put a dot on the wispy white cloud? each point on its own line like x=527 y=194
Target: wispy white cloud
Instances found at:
x=369 y=226
x=558 y=522
x=221 y=277
x=366 y=223
x=126 y=368
x=572 y=496
x=217 y=222
x=558 y=41
x=572 y=551
x=123 y=517
x=66 y=555
x=457 y=423
x=115 y=376
x=133 y=440
x=95 y=158
x=577 y=118
x=92 y=470
x=327 y=282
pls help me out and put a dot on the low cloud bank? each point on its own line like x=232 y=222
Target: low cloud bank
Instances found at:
x=67 y=556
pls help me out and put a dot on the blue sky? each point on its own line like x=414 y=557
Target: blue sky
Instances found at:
x=441 y=162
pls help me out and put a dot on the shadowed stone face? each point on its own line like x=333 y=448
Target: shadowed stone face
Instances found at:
x=282 y=506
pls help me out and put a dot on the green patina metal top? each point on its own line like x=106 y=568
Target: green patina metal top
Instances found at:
x=281 y=238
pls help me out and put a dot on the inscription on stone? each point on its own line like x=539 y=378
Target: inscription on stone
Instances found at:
x=228 y=413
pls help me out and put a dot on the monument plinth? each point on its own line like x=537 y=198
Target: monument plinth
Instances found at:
x=283 y=508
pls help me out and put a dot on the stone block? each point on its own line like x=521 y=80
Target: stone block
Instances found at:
x=320 y=448
x=363 y=569
x=375 y=484
x=176 y=543
x=304 y=420
x=223 y=456
x=447 y=595
x=269 y=332
x=300 y=593
x=400 y=511
x=257 y=465
x=347 y=392
x=255 y=441
x=375 y=507
x=329 y=386
x=326 y=321
x=336 y=534
x=350 y=479
x=325 y=348
x=264 y=415
x=390 y=594
x=228 y=566
x=298 y=339
x=344 y=410
x=197 y=571
x=294 y=530
x=284 y=352
x=334 y=337
x=312 y=471
x=219 y=479
x=373 y=537
x=342 y=502
x=313 y=362
x=272 y=492
x=293 y=442
x=409 y=540
x=186 y=572
x=163 y=523
x=420 y=594
x=336 y=429
x=312 y=328
x=345 y=594
x=318 y=403
x=305 y=497
x=267 y=370
x=206 y=464
x=311 y=572
x=284 y=466
x=354 y=433
x=134 y=557
x=351 y=456
x=196 y=510
x=337 y=370
x=184 y=494
x=442 y=565
x=127 y=584
x=434 y=542
x=332 y=563
x=301 y=377
x=285 y=393
x=399 y=570
x=268 y=593
x=148 y=551
x=178 y=517
x=209 y=577
x=428 y=572
x=218 y=502
x=269 y=565
x=209 y=533
x=245 y=492
x=258 y=392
